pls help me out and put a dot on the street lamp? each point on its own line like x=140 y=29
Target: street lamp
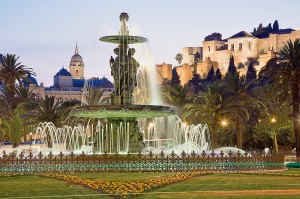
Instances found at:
x=273 y=120
x=30 y=134
x=224 y=123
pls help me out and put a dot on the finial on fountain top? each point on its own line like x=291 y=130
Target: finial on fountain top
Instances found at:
x=124 y=18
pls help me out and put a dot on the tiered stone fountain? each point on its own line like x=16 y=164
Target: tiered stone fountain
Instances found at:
x=125 y=125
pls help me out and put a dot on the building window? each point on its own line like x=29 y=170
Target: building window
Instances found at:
x=250 y=45
x=240 y=46
x=208 y=48
x=232 y=47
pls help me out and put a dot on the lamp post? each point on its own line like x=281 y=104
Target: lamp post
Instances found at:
x=224 y=123
x=30 y=134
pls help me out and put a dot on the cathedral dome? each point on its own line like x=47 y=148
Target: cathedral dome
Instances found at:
x=76 y=58
x=29 y=80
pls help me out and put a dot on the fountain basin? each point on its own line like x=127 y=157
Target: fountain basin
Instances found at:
x=122 y=111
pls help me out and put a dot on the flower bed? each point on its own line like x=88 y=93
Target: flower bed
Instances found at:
x=126 y=189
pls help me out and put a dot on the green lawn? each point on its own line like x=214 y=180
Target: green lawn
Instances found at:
x=221 y=185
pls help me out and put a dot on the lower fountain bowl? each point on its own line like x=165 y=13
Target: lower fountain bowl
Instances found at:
x=122 y=111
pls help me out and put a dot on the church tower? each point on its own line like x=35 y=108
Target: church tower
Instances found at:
x=76 y=65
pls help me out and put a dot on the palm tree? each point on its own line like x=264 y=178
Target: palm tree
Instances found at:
x=95 y=96
x=5 y=128
x=24 y=94
x=10 y=72
x=237 y=102
x=284 y=70
x=176 y=97
x=49 y=110
x=276 y=116
x=179 y=58
x=206 y=108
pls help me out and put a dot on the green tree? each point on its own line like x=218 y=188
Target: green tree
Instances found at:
x=10 y=72
x=213 y=36
x=218 y=74
x=177 y=97
x=175 y=81
x=231 y=67
x=207 y=108
x=275 y=25
x=211 y=75
x=236 y=90
x=195 y=83
x=276 y=116
x=251 y=73
x=284 y=72
x=49 y=110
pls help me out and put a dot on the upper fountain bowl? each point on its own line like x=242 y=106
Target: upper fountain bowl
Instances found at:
x=123 y=39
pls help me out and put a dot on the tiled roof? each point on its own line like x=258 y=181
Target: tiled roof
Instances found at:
x=241 y=34
x=63 y=72
x=103 y=83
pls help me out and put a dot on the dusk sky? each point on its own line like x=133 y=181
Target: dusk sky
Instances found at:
x=44 y=33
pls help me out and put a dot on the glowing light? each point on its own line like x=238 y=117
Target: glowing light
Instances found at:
x=224 y=123
x=151 y=124
x=259 y=120
x=273 y=120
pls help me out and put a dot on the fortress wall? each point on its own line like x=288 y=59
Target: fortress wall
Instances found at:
x=185 y=73
x=163 y=71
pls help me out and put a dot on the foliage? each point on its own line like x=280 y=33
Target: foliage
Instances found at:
x=276 y=25
x=211 y=75
x=251 y=73
x=10 y=72
x=213 y=36
x=95 y=96
x=262 y=32
x=177 y=97
x=49 y=110
x=284 y=72
x=218 y=74
x=175 y=81
x=231 y=67
x=195 y=83
x=179 y=58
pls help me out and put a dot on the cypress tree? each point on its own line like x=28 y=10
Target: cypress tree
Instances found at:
x=231 y=67
x=254 y=31
x=195 y=81
x=251 y=73
x=260 y=29
x=175 y=81
x=218 y=74
x=211 y=74
x=270 y=28
x=275 y=25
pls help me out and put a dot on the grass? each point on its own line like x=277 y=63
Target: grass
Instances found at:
x=220 y=185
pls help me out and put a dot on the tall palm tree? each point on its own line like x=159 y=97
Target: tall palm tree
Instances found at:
x=24 y=94
x=276 y=116
x=237 y=90
x=206 y=108
x=12 y=71
x=49 y=110
x=176 y=97
x=179 y=58
x=284 y=70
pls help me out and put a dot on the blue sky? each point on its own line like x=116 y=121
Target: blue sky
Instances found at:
x=44 y=33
